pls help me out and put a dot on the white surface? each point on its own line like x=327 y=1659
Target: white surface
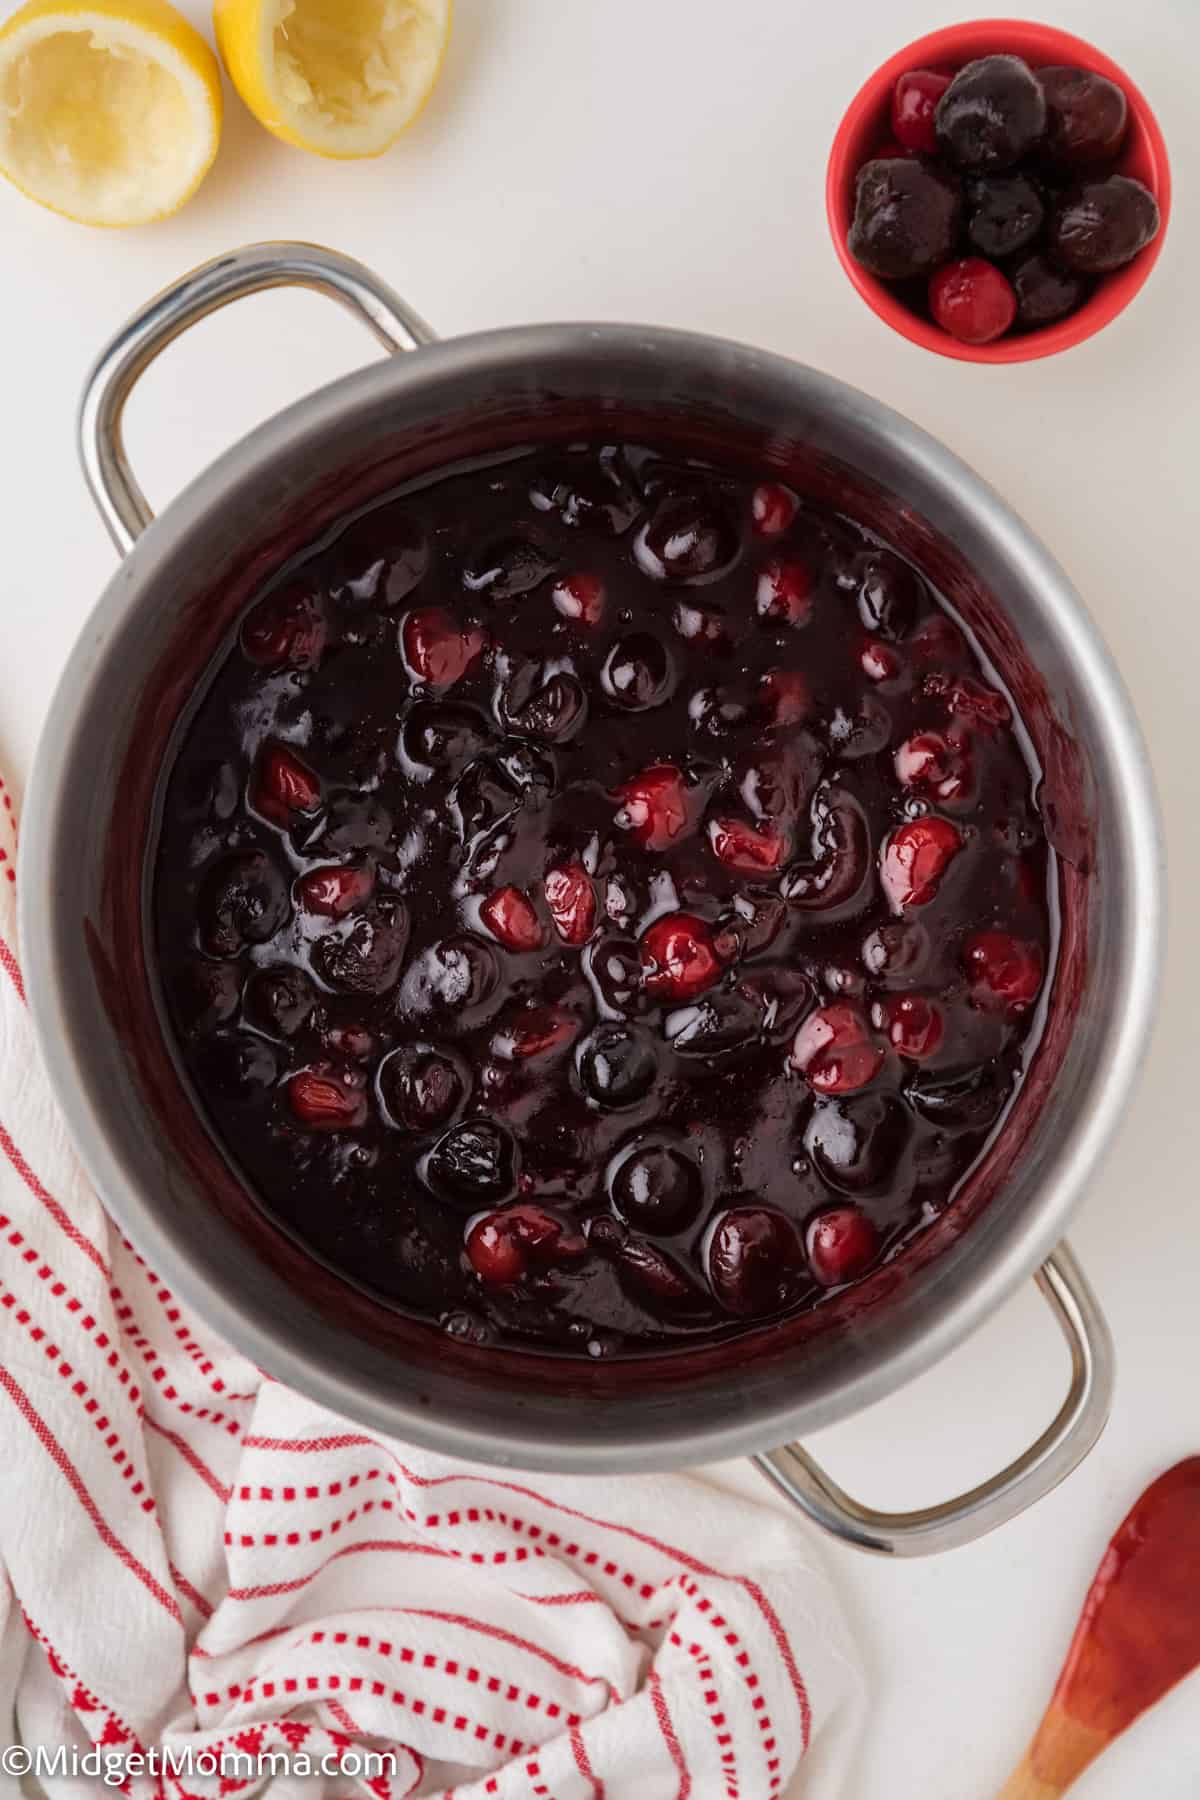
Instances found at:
x=664 y=160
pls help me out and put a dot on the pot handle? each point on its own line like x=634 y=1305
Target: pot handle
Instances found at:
x=1060 y=1448
x=121 y=502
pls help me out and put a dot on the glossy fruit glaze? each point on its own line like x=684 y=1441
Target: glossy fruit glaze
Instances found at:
x=602 y=901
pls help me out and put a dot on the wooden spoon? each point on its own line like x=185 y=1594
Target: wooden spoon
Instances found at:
x=1138 y=1634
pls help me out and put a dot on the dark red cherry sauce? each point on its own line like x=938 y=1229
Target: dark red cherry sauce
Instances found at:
x=602 y=900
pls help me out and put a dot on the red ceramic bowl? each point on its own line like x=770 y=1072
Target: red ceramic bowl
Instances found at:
x=867 y=125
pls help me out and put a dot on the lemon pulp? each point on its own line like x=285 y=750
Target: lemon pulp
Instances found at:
x=109 y=113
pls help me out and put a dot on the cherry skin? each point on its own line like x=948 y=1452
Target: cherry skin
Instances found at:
x=286 y=629
x=511 y=919
x=1005 y=971
x=754 y=1258
x=243 y=900
x=639 y=673
x=772 y=508
x=571 y=899
x=580 y=598
x=879 y=662
x=335 y=891
x=284 y=785
x=473 y=1164
x=679 y=957
x=688 y=538
x=323 y=1100
x=507 y=569
x=784 y=595
x=914 y=103
x=367 y=959
x=916 y=857
x=501 y=1247
x=935 y=763
x=437 y=650
x=857 y=1143
x=835 y=1052
x=842 y=1244
x=972 y=300
x=657 y=807
x=422 y=1086
x=279 y=1000
x=656 y=1187
x=739 y=846
x=617 y=1065
x=914 y=1026
x=535 y=1033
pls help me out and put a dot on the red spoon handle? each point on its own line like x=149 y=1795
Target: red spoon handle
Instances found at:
x=1138 y=1634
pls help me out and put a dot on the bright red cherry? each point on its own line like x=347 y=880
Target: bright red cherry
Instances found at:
x=336 y=890
x=916 y=857
x=283 y=785
x=914 y=1025
x=739 y=846
x=972 y=300
x=323 y=1100
x=657 y=807
x=784 y=595
x=835 y=1052
x=436 y=648
x=914 y=103
x=501 y=1246
x=510 y=917
x=679 y=957
x=495 y=1253
x=842 y=1244
x=571 y=898
x=934 y=763
x=879 y=662
x=772 y=508
x=579 y=597
x=1005 y=971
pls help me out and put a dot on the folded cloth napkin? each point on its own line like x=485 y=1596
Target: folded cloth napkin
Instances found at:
x=195 y=1559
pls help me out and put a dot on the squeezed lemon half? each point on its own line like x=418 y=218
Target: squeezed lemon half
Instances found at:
x=110 y=112
x=339 y=77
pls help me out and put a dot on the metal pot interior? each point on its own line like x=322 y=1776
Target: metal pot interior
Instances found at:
x=167 y=615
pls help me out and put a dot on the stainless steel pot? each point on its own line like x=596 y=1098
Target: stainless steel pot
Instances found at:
x=90 y=815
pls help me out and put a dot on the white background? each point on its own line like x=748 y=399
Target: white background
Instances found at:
x=663 y=160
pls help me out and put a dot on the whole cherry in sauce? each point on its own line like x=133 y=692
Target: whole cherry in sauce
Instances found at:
x=602 y=900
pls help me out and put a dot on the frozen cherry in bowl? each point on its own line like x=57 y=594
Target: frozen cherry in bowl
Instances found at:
x=914 y=108
x=1045 y=292
x=1005 y=214
x=992 y=114
x=1101 y=225
x=603 y=978
x=907 y=216
x=972 y=300
x=1086 y=116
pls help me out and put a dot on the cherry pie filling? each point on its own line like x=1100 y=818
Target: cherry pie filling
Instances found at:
x=602 y=901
